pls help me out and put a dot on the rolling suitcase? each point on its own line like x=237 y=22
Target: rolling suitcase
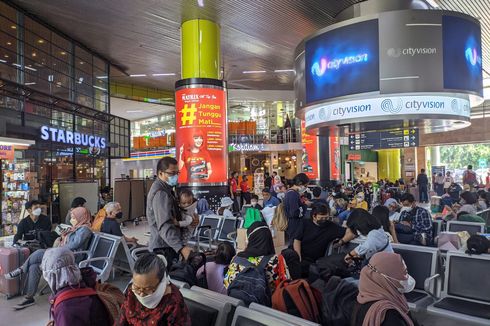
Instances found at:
x=10 y=259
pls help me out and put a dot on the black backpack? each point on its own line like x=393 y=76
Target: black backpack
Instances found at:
x=186 y=270
x=251 y=284
x=339 y=297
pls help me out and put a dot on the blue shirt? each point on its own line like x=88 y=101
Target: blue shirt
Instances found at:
x=272 y=202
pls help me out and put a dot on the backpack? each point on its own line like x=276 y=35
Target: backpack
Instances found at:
x=339 y=297
x=251 y=284
x=186 y=270
x=470 y=178
x=296 y=298
x=280 y=220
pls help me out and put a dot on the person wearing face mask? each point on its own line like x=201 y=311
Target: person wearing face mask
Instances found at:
x=415 y=225
x=293 y=207
x=76 y=202
x=152 y=299
x=30 y=226
x=76 y=238
x=162 y=209
x=254 y=202
x=74 y=300
x=360 y=202
x=380 y=301
x=110 y=224
x=314 y=235
x=225 y=207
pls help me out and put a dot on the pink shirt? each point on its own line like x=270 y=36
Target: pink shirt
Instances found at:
x=214 y=276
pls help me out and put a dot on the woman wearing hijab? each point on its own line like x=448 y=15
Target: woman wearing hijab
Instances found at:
x=152 y=299
x=65 y=279
x=76 y=238
x=381 y=287
x=259 y=245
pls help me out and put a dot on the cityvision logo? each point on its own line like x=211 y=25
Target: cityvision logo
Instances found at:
x=398 y=52
x=319 y=68
x=472 y=57
x=396 y=105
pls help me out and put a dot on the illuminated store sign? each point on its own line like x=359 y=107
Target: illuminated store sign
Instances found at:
x=73 y=138
x=320 y=68
x=246 y=147
x=395 y=106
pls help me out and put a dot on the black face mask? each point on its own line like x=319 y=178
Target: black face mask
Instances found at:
x=119 y=215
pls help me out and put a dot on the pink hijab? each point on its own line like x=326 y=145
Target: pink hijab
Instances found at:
x=373 y=286
x=83 y=217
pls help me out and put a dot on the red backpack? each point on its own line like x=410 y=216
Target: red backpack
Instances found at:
x=297 y=298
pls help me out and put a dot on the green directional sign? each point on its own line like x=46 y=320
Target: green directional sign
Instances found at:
x=482 y=163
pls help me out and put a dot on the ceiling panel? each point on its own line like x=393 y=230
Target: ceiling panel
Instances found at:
x=143 y=36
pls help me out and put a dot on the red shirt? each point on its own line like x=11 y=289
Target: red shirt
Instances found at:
x=196 y=164
x=233 y=185
x=244 y=186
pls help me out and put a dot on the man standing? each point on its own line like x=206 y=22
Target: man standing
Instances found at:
x=234 y=190
x=245 y=191
x=469 y=178
x=415 y=225
x=293 y=206
x=162 y=209
x=448 y=181
x=34 y=223
x=423 y=183
x=267 y=180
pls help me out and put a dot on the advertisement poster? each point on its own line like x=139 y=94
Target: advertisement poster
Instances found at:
x=7 y=152
x=334 y=158
x=310 y=154
x=200 y=115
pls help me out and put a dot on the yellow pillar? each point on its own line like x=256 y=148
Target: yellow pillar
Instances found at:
x=389 y=164
x=200 y=57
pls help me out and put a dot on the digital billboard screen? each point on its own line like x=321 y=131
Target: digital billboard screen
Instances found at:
x=462 y=54
x=343 y=61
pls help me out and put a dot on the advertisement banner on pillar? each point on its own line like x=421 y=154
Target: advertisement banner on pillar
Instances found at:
x=200 y=115
x=334 y=142
x=310 y=154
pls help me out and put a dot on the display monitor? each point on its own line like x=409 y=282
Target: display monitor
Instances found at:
x=343 y=61
x=462 y=54
x=459 y=285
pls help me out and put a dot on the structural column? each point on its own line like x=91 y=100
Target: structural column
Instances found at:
x=389 y=164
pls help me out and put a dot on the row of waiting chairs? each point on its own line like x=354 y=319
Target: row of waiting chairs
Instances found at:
x=208 y=308
x=214 y=228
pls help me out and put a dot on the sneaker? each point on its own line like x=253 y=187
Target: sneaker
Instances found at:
x=13 y=274
x=24 y=304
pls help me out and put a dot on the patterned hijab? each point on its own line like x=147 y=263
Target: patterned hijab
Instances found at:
x=83 y=217
x=59 y=268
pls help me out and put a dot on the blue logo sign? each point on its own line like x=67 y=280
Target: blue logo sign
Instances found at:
x=319 y=68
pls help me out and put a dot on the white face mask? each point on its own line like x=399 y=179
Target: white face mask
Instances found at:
x=407 y=285
x=281 y=195
x=253 y=202
x=37 y=212
x=406 y=209
x=150 y=301
x=73 y=221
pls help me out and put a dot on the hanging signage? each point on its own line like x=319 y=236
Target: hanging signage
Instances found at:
x=353 y=157
x=7 y=152
x=200 y=115
x=310 y=153
x=385 y=139
x=74 y=138
x=233 y=147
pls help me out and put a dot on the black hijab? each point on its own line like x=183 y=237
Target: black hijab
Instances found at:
x=259 y=242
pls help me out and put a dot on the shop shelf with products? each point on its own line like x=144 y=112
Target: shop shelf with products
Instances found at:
x=15 y=193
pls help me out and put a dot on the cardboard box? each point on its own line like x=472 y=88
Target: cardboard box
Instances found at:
x=278 y=238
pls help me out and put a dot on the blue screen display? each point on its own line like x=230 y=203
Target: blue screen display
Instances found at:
x=462 y=54
x=343 y=61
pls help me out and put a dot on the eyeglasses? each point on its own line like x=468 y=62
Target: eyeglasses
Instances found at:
x=171 y=173
x=144 y=291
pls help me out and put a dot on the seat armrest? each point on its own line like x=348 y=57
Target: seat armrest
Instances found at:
x=428 y=282
x=85 y=263
x=136 y=251
x=232 y=235
x=83 y=252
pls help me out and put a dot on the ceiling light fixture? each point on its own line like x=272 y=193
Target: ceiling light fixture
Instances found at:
x=138 y=75
x=40 y=41
x=134 y=111
x=164 y=74
x=6 y=56
x=29 y=84
x=34 y=54
x=13 y=27
x=100 y=88
x=63 y=53
x=3 y=61
x=200 y=3
x=102 y=77
x=9 y=43
x=254 y=71
x=30 y=68
x=284 y=70
x=433 y=3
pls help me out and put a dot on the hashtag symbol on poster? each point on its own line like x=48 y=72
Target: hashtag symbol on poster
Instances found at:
x=188 y=114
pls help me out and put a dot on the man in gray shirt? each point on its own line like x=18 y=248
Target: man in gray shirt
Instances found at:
x=162 y=209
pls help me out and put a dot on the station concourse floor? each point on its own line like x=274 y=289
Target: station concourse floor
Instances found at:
x=38 y=314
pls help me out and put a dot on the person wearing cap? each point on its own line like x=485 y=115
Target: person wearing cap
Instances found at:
x=394 y=208
x=269 y=200
x=225 y=207
x=381 y=299
x=63 y=276
x=152 y=299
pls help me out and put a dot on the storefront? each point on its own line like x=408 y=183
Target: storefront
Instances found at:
x=55 y=125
